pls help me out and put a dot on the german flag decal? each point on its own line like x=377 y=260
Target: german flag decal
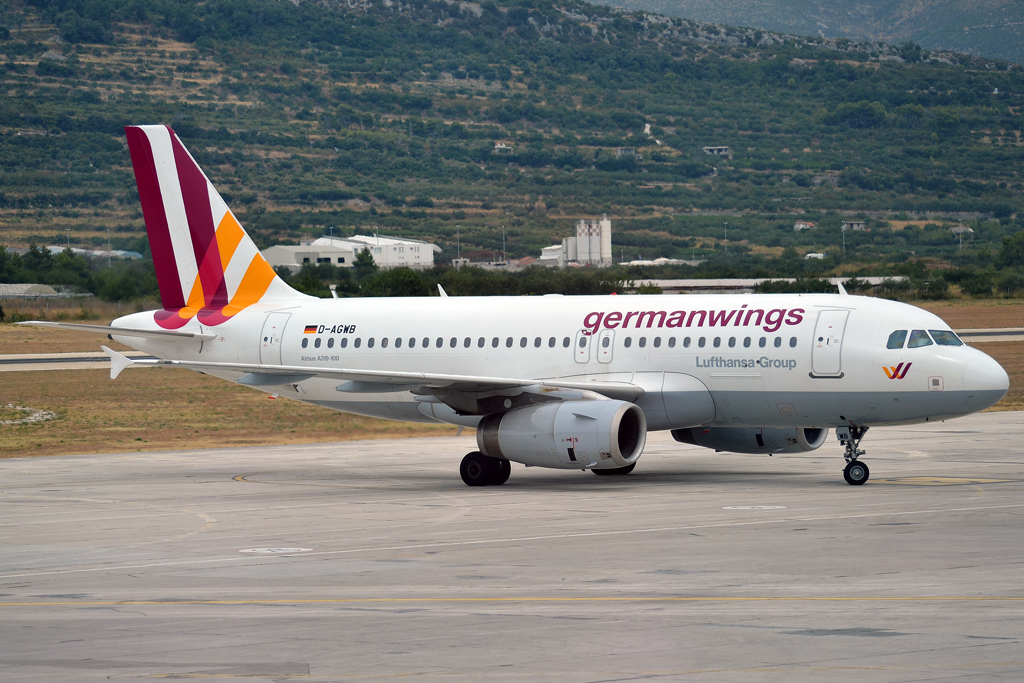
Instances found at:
x=310 y=329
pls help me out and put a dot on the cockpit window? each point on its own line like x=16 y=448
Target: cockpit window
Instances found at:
x=896 y=339
x=919 y=338
x=945 y=338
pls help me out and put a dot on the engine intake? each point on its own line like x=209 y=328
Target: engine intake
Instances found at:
x=568 y=435
x=754 y=439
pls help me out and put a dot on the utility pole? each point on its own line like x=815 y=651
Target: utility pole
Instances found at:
x=727 y=237
x=843 y=228
x=68 y=231
x=108 y=247
x=504 y=258
x=458 y=241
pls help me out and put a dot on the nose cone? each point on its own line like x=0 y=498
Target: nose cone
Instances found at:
x=985 y=382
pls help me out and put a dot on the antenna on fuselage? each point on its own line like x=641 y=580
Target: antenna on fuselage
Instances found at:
x=440 y=290
x=842 y=290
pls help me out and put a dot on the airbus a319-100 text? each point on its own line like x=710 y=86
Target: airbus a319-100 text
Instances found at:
x=570 y=382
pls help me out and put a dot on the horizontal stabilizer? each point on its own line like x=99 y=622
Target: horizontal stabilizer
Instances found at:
x=123 y=331
x=118 y=361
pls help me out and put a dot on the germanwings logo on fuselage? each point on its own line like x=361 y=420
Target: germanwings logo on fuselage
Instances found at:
x=898 y=372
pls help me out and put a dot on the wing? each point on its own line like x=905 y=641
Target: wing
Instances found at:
x=123 y=331
x=379 y=381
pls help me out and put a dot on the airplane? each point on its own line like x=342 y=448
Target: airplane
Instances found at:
x=568 y=382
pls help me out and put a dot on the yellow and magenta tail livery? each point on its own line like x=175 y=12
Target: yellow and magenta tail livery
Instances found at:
x=206 y=266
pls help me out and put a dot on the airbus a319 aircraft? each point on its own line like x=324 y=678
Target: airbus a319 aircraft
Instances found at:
x=554 y=381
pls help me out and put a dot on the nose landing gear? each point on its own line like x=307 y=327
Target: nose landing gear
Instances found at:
x=856 y=472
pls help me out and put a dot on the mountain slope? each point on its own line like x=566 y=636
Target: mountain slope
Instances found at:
x=988 y=28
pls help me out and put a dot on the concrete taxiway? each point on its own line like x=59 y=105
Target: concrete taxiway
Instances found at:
x=365 y=560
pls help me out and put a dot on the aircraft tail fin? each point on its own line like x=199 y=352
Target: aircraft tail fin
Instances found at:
x=206 y=265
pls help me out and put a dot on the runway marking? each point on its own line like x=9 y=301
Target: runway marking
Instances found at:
x=518 y=539
x=556 y=599
x=939 y=481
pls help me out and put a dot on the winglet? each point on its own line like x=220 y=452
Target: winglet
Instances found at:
x=118 y=362
x=842 y=290
x=440 y=290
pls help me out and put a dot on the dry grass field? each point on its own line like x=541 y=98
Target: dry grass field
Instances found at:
x=165 y=409
x=158 y=409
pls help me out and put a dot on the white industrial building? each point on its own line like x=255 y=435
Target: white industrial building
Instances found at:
x=387 y=252
x=592 y=245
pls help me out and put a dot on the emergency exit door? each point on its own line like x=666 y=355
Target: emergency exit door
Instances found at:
x=827 y=349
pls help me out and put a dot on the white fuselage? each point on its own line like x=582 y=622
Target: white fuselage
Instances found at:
x=767 y=360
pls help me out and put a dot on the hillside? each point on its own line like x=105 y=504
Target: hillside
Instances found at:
x=989 y=28
x=344 y=117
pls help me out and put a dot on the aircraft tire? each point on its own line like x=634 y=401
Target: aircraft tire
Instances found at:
x=618 y=470
x=856 y=473
x=501 y=472
x=476 y=470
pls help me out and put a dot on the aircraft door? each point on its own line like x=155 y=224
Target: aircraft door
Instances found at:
x=270 y=338
x=826 y=351
x=605 y=345
x=581 y=349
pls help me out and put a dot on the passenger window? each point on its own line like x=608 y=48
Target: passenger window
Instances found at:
x=643 y=342
x=453 y=342
x=384 y=343
x=700 y=342
x=657 y=342
x=627 y=342
x=369 y=343
x=551 y=343
x=686 y=343
x=412 y=342
x=357 y=342
x=330 y=343
x=945 y=338
x=466 y=342
x=480 y=342
x=732 y=342
x=919 y=338
x=671 y=342
x=761 y=342
x=508 y=343
x=746 y=342
x=522 y=343
x=896 y=339
x=605 y=342
x=494 y=343
x=305 y=342
x=778 y=342
x=717 y=342
x=439 y=342
x=398 y=342
x=565 y=343
x=426 y=342
x=583 y=342
x=316 y=343
x=344 y=342
x=536 y=343
x=792 y=342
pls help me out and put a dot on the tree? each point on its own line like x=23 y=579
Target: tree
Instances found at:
x=364 y=265
x=1012 y=253
x=395 y=282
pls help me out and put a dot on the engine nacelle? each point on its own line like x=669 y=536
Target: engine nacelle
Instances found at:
x=567 y=435
x=754 y=439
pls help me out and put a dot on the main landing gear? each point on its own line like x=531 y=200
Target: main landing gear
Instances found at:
x=856 y=472
x=479 y=470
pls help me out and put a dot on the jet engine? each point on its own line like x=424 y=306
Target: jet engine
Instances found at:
x=754 y=439
x=567 y=435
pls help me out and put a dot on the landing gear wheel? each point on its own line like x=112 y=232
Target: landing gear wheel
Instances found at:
x=476 y=469
x=618 y=470
x=856 y=473
x=502 y=470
